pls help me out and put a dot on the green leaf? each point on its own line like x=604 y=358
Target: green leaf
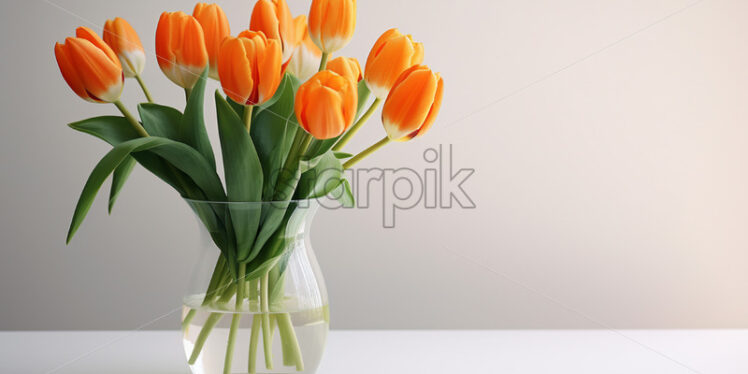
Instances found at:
x=243 y=174
x=289 y=84
x=160 y=120
x=273 y=131
x=363 y=98
x=344 y=194
x=181 y=156
x=116 y=130
x=342 y=155
x=192 y=130
x=322 y=179
x=111 y=129
x=118 y=180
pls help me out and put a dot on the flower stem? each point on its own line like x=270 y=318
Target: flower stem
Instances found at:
x=187 y=93
x=145 y=89
x=230 y=346
x=188 y=318
x=323 y=61
x=348 y=135
x=290 y=342
x=368 y=151
x=210 y=322
x=133 y=121
x=253 y=338
x=265 y=309
x=248 y=116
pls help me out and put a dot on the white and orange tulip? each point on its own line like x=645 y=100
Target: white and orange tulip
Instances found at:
x=215 y=29
x=392 y=54
x=413 y=104
x=326 y=105
x=332 y=23
x=90 y=67
x=250 y=67
x=124 y=41
x=180 y=48
x=347 y=67
x=274 y=19
x=306 y=57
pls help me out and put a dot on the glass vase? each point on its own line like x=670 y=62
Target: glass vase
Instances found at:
x=263 y=312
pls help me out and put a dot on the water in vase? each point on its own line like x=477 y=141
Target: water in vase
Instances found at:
x=305 y=330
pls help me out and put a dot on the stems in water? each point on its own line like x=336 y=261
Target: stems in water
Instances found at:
x=253 y=338
x=265 y=309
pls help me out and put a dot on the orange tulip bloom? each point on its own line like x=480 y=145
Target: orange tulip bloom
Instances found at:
x=273 y=18
x=250 y=67
x=347 y=67
x=326 y=104
x=124 y=41
x=215 y=28
x=90 y=67
x=332 y=23
x=180 y=48
x=306 y=57
x=392 y=54
x=413 y=103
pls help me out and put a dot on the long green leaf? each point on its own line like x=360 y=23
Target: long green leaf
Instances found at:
x=273 y=131
x=323 y=178
x=161 y=120
x=116 y=130
x=118 y=180
x=111 y=129
x=192 y=130
x=243 y=174
x=179 y=155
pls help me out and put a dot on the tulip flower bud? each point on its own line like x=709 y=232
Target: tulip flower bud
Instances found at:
x=215 y=28
x=413 y=103
x=90 y=67
x=180 y=48
x=332 y=23
x=273 y=18
x=392 y=54
x=250 y=67
x=306 y=57
x=124 y=41
x=347 y=67
x=326 y=104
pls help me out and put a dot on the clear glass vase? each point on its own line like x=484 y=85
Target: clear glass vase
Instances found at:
x=266 y=312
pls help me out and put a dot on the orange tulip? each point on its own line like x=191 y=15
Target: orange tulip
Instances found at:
x=90 y=67
x=306 y=57
x=331 y=23
x=180 y=48
x=215 y=28
x=124 y=41
x=273 y=18
x=392 y=54
x=326 y=104
x=250 y=67
x=347 y=67
x=413 y=103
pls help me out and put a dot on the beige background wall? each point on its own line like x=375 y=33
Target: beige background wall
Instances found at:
x=608 y=138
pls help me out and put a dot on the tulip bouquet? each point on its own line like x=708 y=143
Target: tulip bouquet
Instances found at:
x=287 y=113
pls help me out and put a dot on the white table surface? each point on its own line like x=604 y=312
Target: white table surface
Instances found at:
x=384 y=352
